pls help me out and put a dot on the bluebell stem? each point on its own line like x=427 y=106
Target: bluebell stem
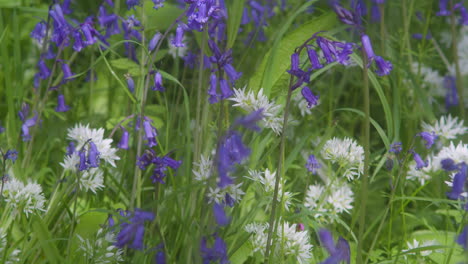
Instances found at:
x=339 y=252
x=462 y=239
x=158 y=85
x=61 y=106
x=130 y=83
x=132 y=231
x=419 y=161
x=458 y=185
x=312 y=164
x=430 y=138
x=216 y=254
x=93 y=155
x=11 y=154
x=154 y=41
x=311 y=99
x=123 y=143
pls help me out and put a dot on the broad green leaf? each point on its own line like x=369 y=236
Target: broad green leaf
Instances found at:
x=235 y=11
x=124 y=64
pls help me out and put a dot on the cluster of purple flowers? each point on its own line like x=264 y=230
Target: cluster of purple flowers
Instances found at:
x=160 y=164
x=27 y=122
x=446 y=10
x=339 y=252
x=217 y=253
x=88 y=154
x=132 y=228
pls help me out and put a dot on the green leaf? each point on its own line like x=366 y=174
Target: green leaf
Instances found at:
x=124 y=64
x=44 y=238
x=235 y=11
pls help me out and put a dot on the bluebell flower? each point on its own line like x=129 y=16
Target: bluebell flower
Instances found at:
x=177 y=41
x=154 y=41
x=250 y=121
x=130 y=83
x=459 y=181
x=338 y=252
x=71 y=148
x=26 y=125
x=314 y=59
x=311 y=99
x=93 y=155
x=420 y=163
x=375 y=13
x=132 y=3
x=312 y=164
x=226 y=92
x=160 y=256
x=383 y=67
x=212 y=91
x=448 y=165
x=44 y=71
x=231 y=72
x=462 y=239
x=430 y=138
x=2 y=129
x=123 y=143
x=150 y=133
x=161 y=165
x=39 y=32
x=109 y=22
x=11 y=154
x=132 y=231
x=61 y=105
x=451 y=95
x=396 y=147
x=83 y=165
x=219 y=214
x=463 y=13
x=231 y=151
x=61 y=29
x=158 y=4
x=158 y=85
x=443 y=11
x=67 y=73
x=66 y=7
x=216 y=254
x=345 y=15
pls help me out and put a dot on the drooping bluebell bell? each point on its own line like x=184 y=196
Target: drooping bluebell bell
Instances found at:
x=375 y=13
x=71 y=148
x=109 y=22
x=338 y=252
x=346 y=16
x=83 y=164
x=200 y=12
x=312 y=164
x=11 y=154
x=28 y=123
x=226 y=92
x=448 y=164
x=158 y=4
x=158 y=85
x=154 y=41
x=132 y=230
x=216 y=254
x=2 y=129
x=383 y=67
x=213 y=90
x=131 y=27
x=430 y=138
x=130 y=83
x=311 y=98
x=231 y=72
x=314 y=59
x=462 y=239
x=231 y=151
x=67 y=73
x=39 y=32
x=123 y=143
x=132 y=3
x=451 y=94
x=463 y=13
x=161 y=164
x=61 y=28
x=160 y=256
x=93 y=155
x=458 y=185
x=396 y=147
x=420 y=163
x=177 y=41
x=443 y=11
x=220 y=215
x=250 y=121
x=66 y=7
x=150 y=133
x=61 y=105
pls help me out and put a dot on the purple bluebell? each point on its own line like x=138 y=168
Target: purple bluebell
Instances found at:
x=150 y=133
x=245 y=16
x=312 y=164
x=462 y=239
x=216 y=254
x=396 y=147
x=67 y=73
x=226 y=92
x=375 y=13
x=2 y=129
x=367 y=45
x=83 y=164
x=123 y=143
x=132 y=230
x=132 y=3
x=44 y=71
x=177 y=41
x=451 y=94
x=24 y=112
x=26 y=125
x=161 y=165
x=71 y=148
x=463 y=13
x=213 y=90
x=314 y=59
x=61 y=29
x=200 y=12
x=231 y=151
x=190 y=60
x=11 y=154
x=160 y=256
x=345 y=15
x=311 y=98
x=443 y=11
x=448 y=164
x=220 y=215
x=158 y=85
x=420 y=36
x=130 y=83
x=158 y=4
x=61 y=105
x=250 y=121
x=93 y=155
x=109 y=22
x=39 y=32
x=379 y=1
x=458 y=185
x=383 y=67
x=338 y=252
x=231 y=72
x=430 y=138
x=154 y=41
x=420 y=163
x=66 y=7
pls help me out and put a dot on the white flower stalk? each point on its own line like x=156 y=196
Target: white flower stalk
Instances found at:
x=458 y=154
x=82 y=134
x=177 y=52
x=422 y=175
x=204 y=168
x=341 y=198
x=28 y=198
x=230 y=195
x=347 y=154
x=101 y=249
x=446 y=127
x=296 y=243
x=267 y=180
x=249 y=102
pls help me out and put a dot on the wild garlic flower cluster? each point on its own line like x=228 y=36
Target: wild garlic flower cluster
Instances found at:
x=347 y=154
x=204 y=168
x=296 y=241
x=247 y=100
x=267 y=180
x=446 y=127
x=27 y=198
x=101 y=248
